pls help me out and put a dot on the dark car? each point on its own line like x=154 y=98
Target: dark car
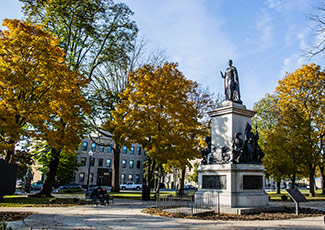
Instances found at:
x=37 y=185
x=189 y=187
x=69 y=187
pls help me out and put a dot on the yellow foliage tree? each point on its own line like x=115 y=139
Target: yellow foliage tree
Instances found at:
x=303 y=91
x=39 y=94
x=156 y=112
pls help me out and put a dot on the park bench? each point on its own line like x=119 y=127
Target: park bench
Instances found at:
x=91 y=201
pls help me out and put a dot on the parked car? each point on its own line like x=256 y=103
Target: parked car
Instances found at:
x=130 y=185
x=37 y=185
x=70 y=187
x=189 y=187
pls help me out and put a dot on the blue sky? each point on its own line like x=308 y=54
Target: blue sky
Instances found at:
x=264 y=38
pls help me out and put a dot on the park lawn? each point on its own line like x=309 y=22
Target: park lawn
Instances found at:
x=24 y=201
x=277 y=197
x=137 y=195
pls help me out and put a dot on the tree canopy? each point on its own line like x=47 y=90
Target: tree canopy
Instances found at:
x=156 y=112
x=293 y=124
x=37 y=89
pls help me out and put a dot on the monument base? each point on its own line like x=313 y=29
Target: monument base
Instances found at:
x=237 y=185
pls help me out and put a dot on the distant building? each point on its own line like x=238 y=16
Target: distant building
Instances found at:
x=100 y=163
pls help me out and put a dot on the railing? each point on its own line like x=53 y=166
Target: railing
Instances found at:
x=192 y=205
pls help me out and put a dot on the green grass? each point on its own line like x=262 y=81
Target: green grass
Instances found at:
x=138 y=194
x=24 y=201
x=318 y=196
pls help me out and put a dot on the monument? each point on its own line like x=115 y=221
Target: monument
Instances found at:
x=231 y=166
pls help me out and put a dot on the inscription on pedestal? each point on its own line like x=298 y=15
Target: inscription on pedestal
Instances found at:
x=214 y=182
x=252 y=182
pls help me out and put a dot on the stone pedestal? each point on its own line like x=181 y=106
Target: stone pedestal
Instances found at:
x=238 y=185
x=229 y=118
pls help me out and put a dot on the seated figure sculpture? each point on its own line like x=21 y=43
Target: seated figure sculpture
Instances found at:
x=237 y=148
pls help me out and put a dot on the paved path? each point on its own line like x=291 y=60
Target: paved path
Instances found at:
x=126 y=214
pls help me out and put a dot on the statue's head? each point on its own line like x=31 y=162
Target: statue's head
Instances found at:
x=230 y=62
x=237 y=135
x=248 y=127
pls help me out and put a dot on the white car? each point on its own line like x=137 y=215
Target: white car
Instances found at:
x=130 y=185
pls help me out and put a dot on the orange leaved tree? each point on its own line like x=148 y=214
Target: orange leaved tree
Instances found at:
x=39 y=95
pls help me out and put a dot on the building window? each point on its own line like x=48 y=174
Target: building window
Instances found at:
x=83 y=161
x=92 y=161
x=101 y=148
x=93 y=146
x=82 y=177
x=132 y=150
x=122 y=178
x=109 y=149
x=131 y=163
x=123 y=163
x=139 y=150
x=125 y=149
x=137 y=178
x=84 y=146
x=108 y=162
x=100 y=162
x=138 y=164
x=91 y=177
x=130 y=177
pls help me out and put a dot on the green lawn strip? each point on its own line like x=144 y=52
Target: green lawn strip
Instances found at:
x=24 y=201
x=137 y=195
x=277 y=197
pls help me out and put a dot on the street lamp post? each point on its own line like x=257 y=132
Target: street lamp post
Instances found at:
x=90 y=153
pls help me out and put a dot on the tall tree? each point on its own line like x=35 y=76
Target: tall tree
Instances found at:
x=99 y=39
x=36 y=86
x=156 y=112
x=303 y=92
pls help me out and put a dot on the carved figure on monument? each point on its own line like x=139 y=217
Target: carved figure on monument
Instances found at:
x=252 y=151
x=231 y=82
x=237 y=148
x=206 y=151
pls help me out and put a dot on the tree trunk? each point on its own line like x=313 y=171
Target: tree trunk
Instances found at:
x=322 y=170
x=181 y=184
x=116 y=169
x=146 y=188
x=49 y=180
x=158 y=184
x=10 y=151
x=311 y=181
x=293 y=181
x=278 y=187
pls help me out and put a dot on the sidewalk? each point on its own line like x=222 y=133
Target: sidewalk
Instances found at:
x=126 y=214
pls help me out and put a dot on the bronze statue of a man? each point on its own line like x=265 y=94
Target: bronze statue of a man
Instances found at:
x=231 y=83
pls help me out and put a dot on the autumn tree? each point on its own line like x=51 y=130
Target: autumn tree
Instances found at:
x=40 y=96
x=285 y=148
x=99 y=40
x=265 y=121
x=155 y=111
x=303 y=91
